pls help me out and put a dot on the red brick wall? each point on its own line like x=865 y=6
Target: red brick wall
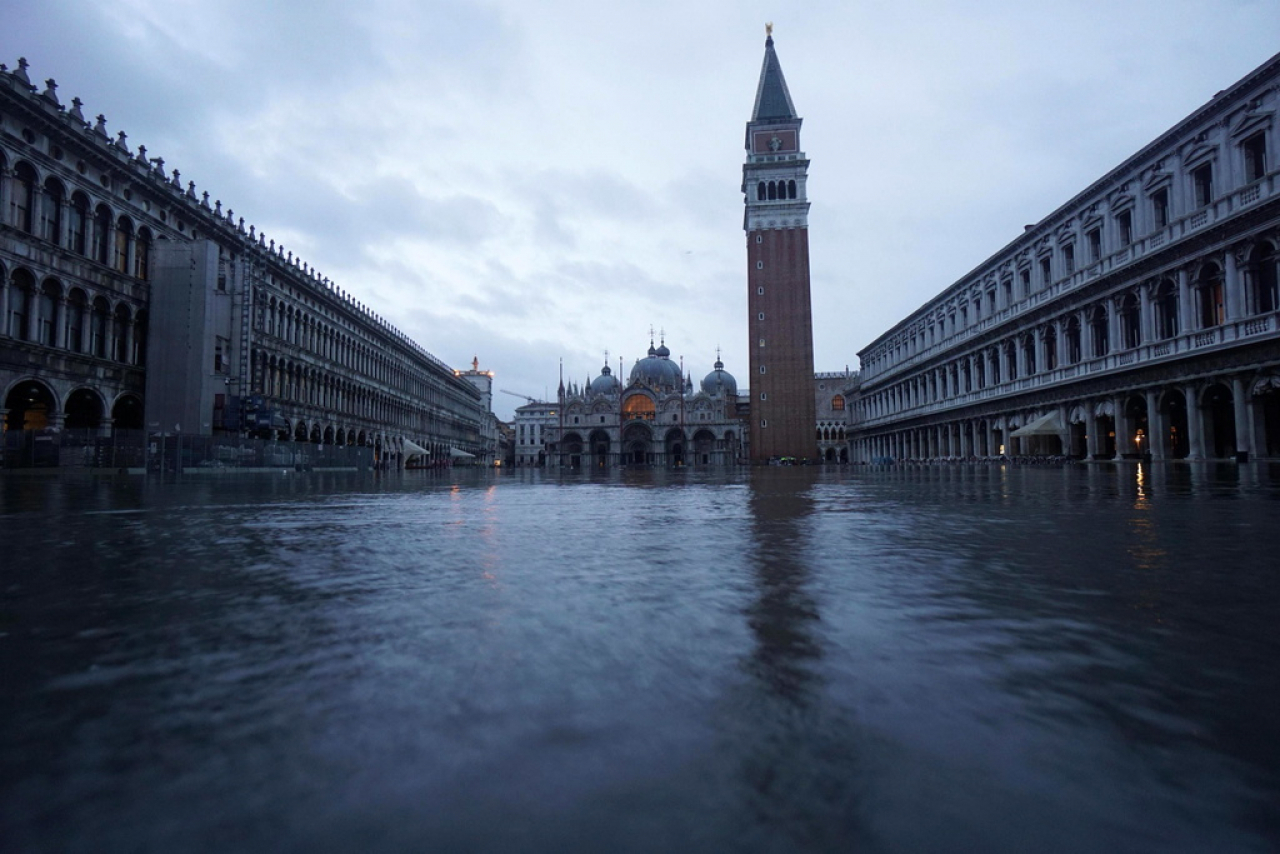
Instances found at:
x=779 y=264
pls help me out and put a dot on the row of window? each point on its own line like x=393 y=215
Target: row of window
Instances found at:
x=1094 y=332
x=774 y=190
x=1254 y=159
x=46 y=212
x=328 y=343
x=71 y=320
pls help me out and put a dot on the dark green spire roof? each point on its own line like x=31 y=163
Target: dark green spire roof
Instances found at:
x=773 y=101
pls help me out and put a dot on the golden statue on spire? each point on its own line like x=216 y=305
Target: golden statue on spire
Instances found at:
x=768 y=29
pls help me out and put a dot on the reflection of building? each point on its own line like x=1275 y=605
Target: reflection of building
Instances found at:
x=780 y=320
x=1140 y=317
x=658 y=418
x=129 y=301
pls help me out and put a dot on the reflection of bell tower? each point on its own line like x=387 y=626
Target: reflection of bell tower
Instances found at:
x=783 y=416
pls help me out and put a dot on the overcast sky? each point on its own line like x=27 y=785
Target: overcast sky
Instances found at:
x=525 y=182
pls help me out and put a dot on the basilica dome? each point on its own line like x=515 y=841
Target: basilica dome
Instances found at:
x=719 y=381
x=606 y=383
x=657 y=370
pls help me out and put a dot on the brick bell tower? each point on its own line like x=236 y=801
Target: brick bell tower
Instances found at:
x=783 y=416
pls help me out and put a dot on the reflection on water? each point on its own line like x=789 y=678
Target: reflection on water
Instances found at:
x=903 y=659
x=784 y=614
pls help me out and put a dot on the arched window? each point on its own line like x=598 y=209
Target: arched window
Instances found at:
x=1261 y=274
x=102 y=234
x=1050 y=347
x=98 y=328
x=142 y=256
x=1074 y=352
x=120 y=346
x=1100 y=331
x=1029 y=352
x=1211 y=307
x=124 y=243
x=1130 y=321
x=791 y=189
x=51 y=211
x=1166 y=300
x=76 y=312
x=21 y=284
x=773 y=190
x=79 y=223
x=24 y=198
x=760 y=192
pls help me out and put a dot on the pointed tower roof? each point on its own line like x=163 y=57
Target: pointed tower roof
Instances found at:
x=773 y=100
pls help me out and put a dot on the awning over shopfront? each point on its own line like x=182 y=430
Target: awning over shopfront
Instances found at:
x=1045 y=425
x=457 y=455
x=413 y=449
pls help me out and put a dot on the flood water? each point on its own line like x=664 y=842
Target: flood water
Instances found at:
x=922 y=659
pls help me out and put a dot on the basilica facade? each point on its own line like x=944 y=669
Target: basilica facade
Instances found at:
x=658 y=417
x=1141 y=319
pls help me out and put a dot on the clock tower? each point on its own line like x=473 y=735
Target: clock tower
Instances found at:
x=776 y=220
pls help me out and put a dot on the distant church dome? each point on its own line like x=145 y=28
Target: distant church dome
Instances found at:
x=719 y=381
x=606 y=383
x=657 y=370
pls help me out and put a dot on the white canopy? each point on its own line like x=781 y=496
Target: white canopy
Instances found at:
x=413 y=449
x=456 y=454
x=1045 y=425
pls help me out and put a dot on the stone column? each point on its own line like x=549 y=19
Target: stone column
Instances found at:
x=63 y=329
x=1086 y=335
x=1158 y=440
x=109 y=345
x=1233 y=286
x=1091 y=445
x=1242 y=407
x=1124 y=430
x=1186 y=313
x=1113 y=327
x=1195 y=424
x=1146 y=315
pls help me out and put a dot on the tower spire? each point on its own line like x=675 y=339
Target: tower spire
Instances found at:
x=773 y=99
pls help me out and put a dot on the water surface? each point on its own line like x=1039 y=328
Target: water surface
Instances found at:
x=905 y=659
